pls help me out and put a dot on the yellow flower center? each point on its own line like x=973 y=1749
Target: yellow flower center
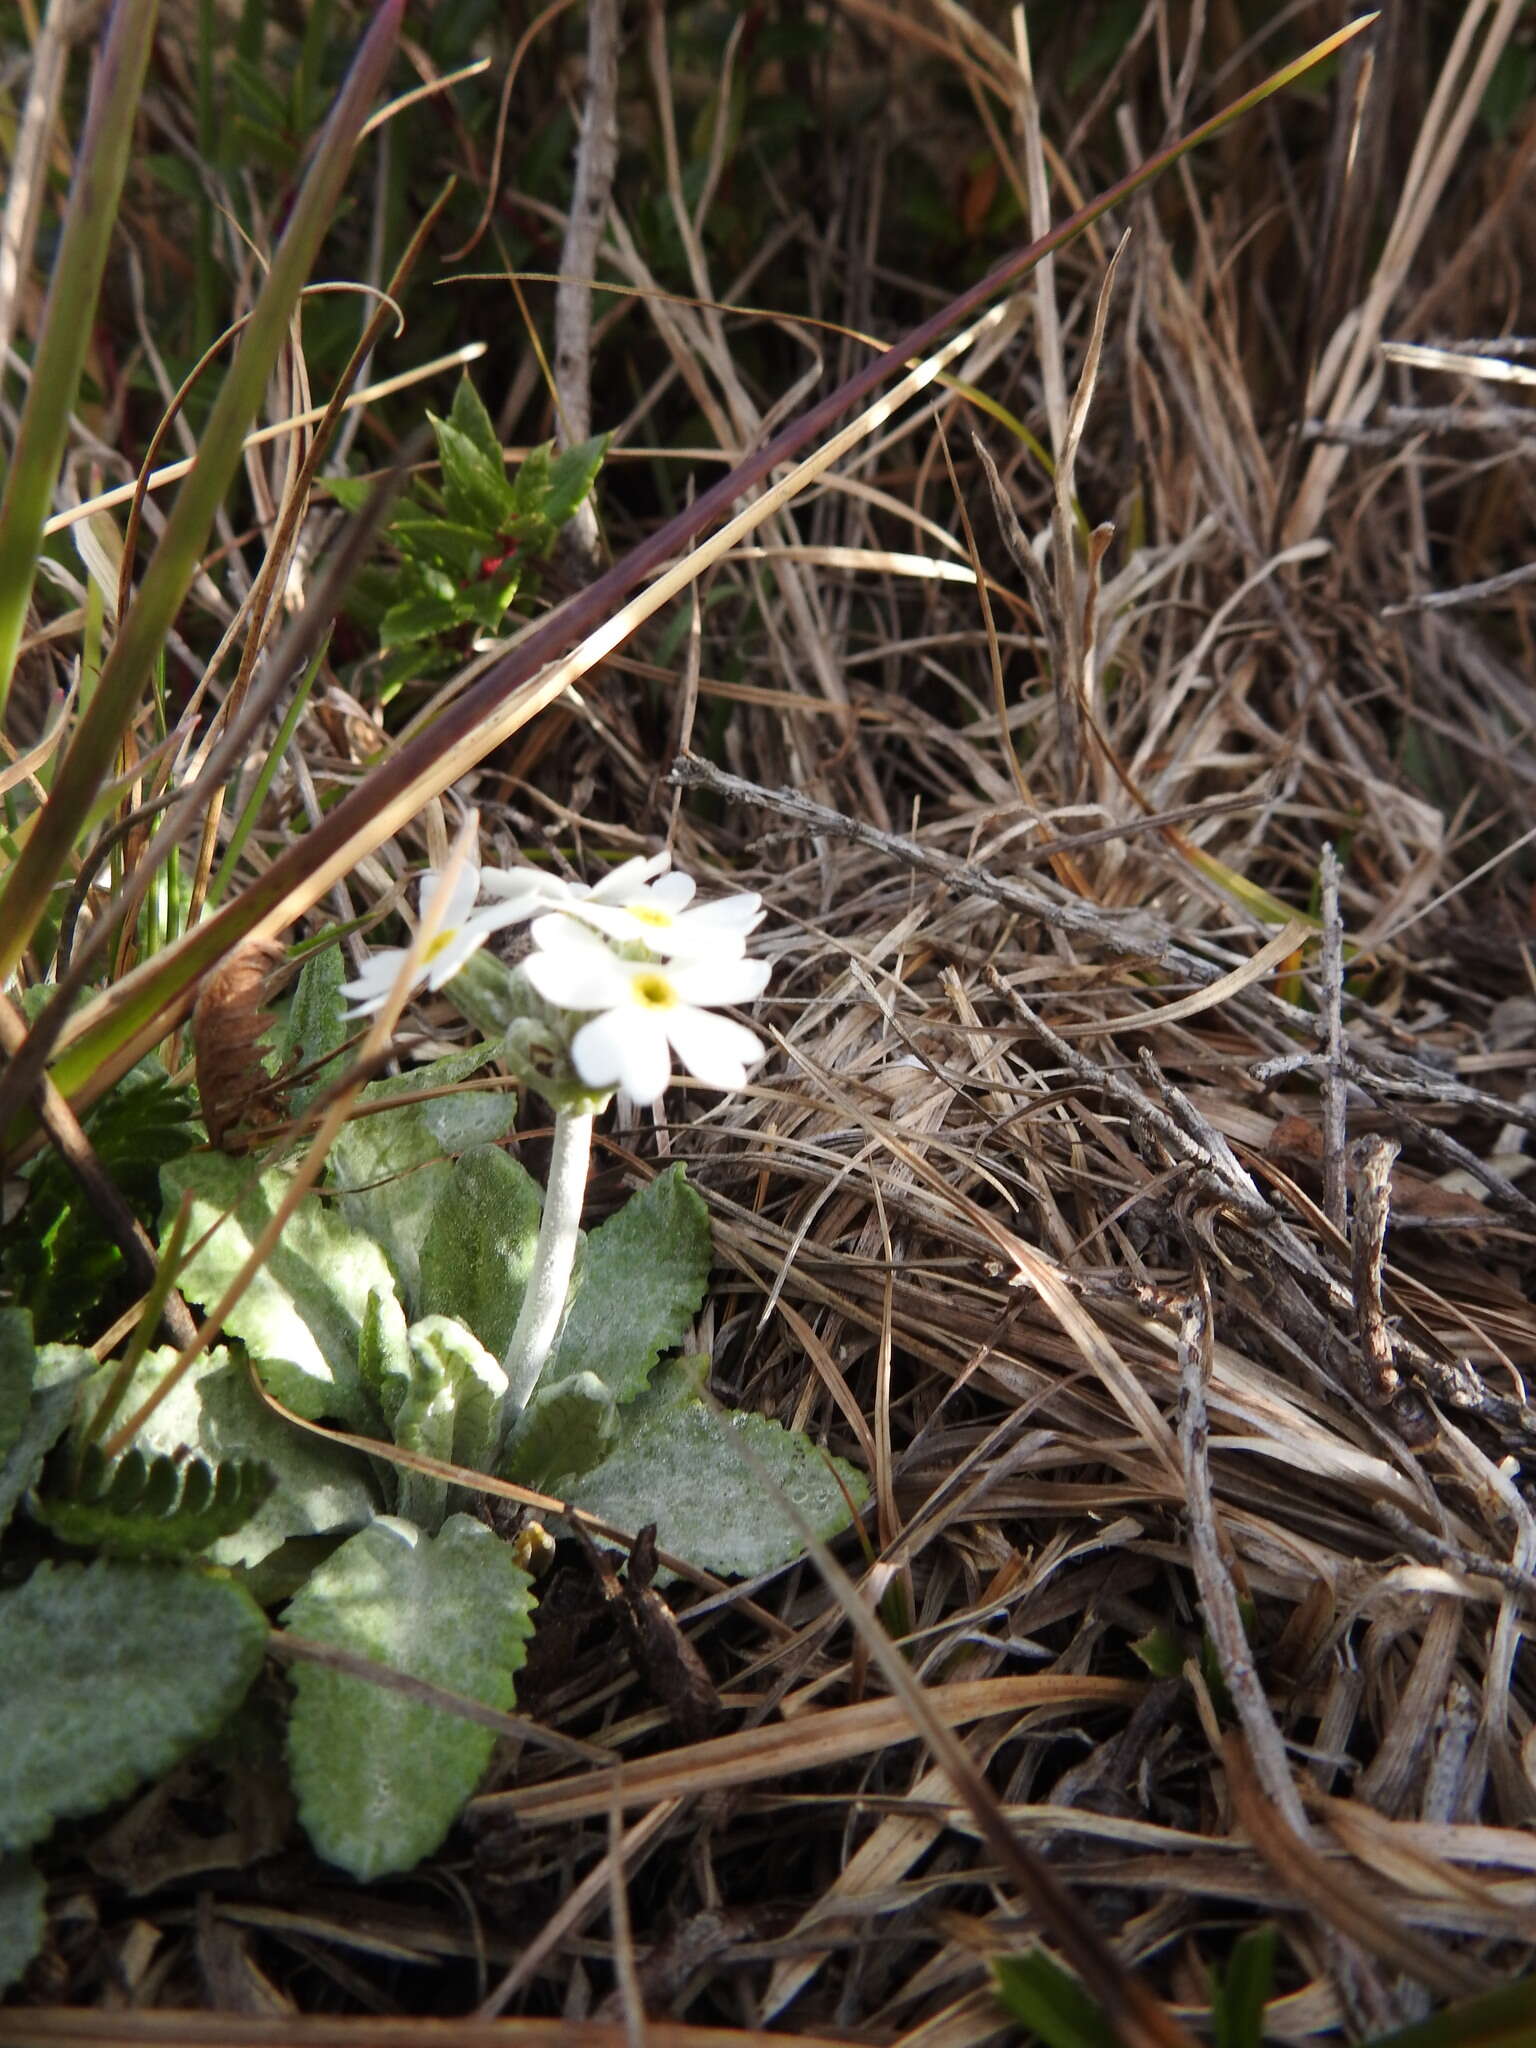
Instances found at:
x=439 y=944
x=643 y=914
x=654 y=991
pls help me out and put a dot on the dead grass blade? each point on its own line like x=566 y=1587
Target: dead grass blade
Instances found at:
x=811 y=1741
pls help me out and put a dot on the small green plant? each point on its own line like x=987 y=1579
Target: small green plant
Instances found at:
x=1060 y=2013
x=464 y=552
x=58 y=1258
x=1056 y=2010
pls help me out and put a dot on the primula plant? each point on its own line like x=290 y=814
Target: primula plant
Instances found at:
x=432 y=1299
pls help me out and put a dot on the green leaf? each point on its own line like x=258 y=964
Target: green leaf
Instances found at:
x=530 y=489
x=1237 y=2002
x=155 y=1507
x=450 y=1410
x=57 y=1257
x=350 y=492
x=457 y=550
x=18 y=1356
x=315 y=1024
x=23 y=1919
x=424 y=616
x=478 y=1250
x=301 y=1316
x=321 y=1489
x=1161 y=1650
x=488 y=597
x=564 y=1431
x=571 y=476
x=488 y=992
x=1040 y=1994
x=475 y=489
x=384 y=1356
x=474 y=422
x=393 y=1166
x=381 y=1778
x=111 y=1672
x=480 y=1387
x=1509 y=90
x=57 y=1373
x=675 y=1466
x=644 y=1281
x=424 y=1424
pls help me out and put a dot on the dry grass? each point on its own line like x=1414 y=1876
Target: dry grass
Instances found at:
x=1134 y=1191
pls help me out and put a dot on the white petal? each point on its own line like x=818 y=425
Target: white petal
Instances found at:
x=719 y=980
x=672 y=891
x=711 y=930
x=562 y=931
x=466 y=887
x=372 y=986
x=575 y=979
x=616 y=923
x=530 y=888
x=490 y=917
x=446 y=964
x=628 y=876
x=623 y=1049
x=737 y=913
x=716 y=1050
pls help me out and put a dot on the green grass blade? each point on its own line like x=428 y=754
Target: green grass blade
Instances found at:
x=69 y=315
x=250 y=810
x=1247 y=1982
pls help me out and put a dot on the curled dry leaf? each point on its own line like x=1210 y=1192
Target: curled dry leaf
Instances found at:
x=229 y=1024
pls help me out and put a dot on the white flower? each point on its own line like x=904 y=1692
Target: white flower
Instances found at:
x=554 y=894
x=656 y=916
x=633 y=908
x=644 y=1007
x=461 y=930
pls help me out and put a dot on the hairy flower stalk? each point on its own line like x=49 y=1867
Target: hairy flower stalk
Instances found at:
x=538 y=1322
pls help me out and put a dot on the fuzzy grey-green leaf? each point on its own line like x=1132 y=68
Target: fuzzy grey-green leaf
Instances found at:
x=381 y=1778
x=393 y=1165
x=301 y=1313
x=111 y=1672
x=164 y=1506
x=315 y=1025
x=58 y=1372
x=423 y=1425
x=479 y=1385
x=565 y=1430
x=478 y=1250
x=322 y=1488
x=675 y=1466
x=642 y=1283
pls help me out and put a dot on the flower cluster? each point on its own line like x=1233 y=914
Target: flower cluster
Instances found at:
x=633 y=955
